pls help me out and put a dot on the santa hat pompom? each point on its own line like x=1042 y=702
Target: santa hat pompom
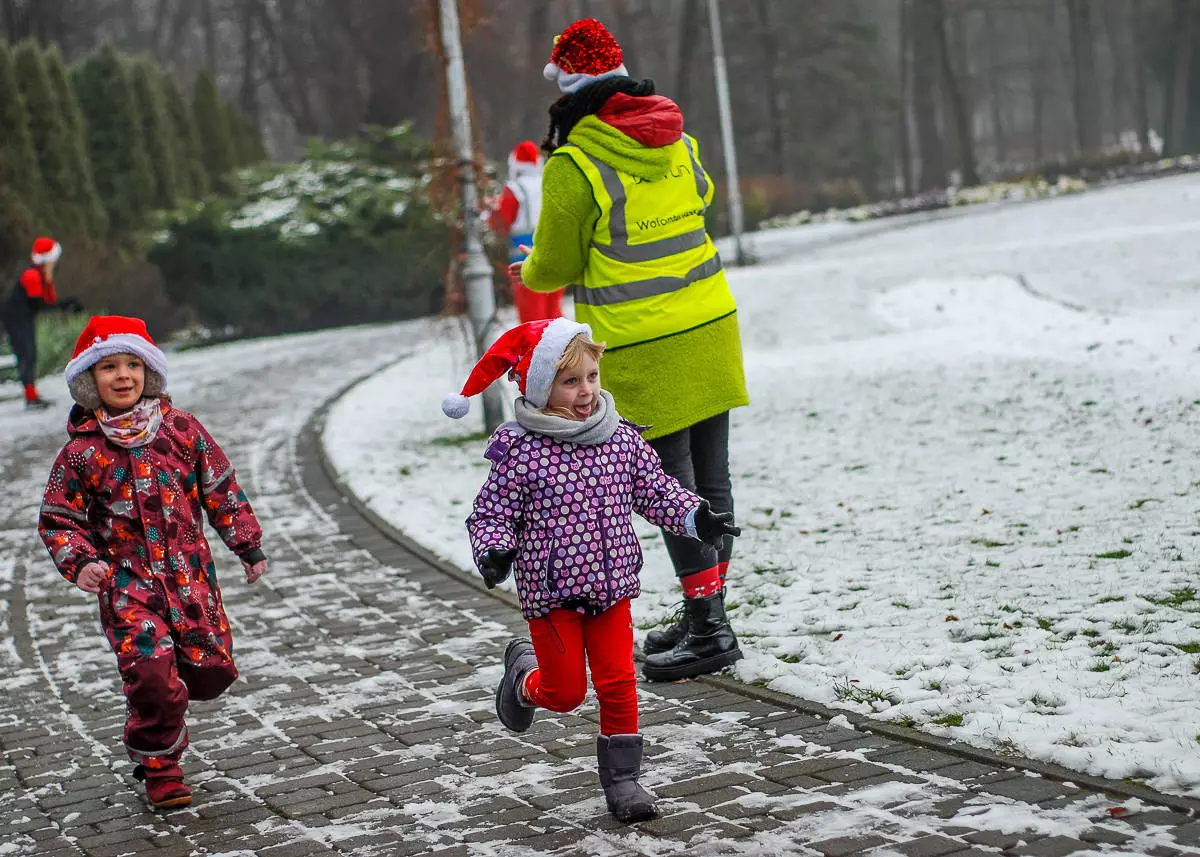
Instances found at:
x=456 y=406
x=584 y=53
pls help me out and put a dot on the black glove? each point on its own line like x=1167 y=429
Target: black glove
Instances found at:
x=495 y=566
x=713 y=527
x=70 y=305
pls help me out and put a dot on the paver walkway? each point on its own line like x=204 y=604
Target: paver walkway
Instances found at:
x=364 y=726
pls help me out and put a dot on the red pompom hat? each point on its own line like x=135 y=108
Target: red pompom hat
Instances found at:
x=526 y=158
x=529 y=353
x=106 y=335
x=584 y=53
x=45 y=250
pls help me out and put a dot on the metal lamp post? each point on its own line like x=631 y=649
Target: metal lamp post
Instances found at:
x=477 y=272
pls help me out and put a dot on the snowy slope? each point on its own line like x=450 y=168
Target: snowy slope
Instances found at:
x=967 y=480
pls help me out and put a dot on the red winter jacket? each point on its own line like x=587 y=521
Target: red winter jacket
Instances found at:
x=142 y=509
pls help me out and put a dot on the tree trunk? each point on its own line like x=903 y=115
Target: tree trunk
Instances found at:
x=958 y=107
x=1083 y=63
x=689 y=36
x=248 y=99
x=11 y=21
x=772 y=91
x=925 y=21
x=996 y=85
x=1183 y=23
x=903 y=136
x=539 y=52
x=210 y=36
x=1141 y=88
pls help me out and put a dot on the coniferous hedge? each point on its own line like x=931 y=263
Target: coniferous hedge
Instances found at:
x=212 y=124
x=346 y=236
x=49 y=138
x=158 y=133
x=79 y=165
x=120 y=165
x=22 y=175
x=192 y=177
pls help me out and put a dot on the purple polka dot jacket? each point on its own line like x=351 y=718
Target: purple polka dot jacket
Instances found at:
x=567 y=510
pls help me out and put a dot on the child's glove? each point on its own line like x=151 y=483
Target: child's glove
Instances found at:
x=494 y=566
x=91 y=576
x=254 y=570
x=713 y=527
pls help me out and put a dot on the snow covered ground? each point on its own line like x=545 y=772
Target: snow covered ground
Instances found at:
x=967 y=481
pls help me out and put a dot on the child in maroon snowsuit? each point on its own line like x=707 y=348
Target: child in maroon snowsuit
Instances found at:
x=556 y=512
x=122 y=518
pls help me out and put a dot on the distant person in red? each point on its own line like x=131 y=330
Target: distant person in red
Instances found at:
x=516 y=213
x=33 y=292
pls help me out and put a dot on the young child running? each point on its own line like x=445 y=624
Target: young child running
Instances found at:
x=556 y=510
x=122 y=519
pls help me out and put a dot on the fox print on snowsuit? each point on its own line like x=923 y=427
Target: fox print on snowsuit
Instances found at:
x=140 y=511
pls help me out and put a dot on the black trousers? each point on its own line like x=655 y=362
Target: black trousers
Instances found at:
x=22 y=335
x=698 y=456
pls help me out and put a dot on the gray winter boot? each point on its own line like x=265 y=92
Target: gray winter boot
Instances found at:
x=511 y=707
x=619 y=760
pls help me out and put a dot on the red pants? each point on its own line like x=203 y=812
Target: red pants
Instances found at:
x=533 y=306
x=562 y=642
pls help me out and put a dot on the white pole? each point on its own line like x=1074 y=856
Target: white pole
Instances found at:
x=726 y=114
x=477 y=272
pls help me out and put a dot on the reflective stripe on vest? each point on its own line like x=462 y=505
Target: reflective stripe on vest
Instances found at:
x=638 y=291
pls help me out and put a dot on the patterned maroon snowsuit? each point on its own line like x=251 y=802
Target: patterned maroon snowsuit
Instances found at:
x=140 y=512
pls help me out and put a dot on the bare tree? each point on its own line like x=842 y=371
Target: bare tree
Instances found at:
x=926 y=22
x=1086 y=101
x=1183 y=24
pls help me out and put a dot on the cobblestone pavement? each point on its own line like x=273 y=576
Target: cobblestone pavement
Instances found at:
x=363 y=724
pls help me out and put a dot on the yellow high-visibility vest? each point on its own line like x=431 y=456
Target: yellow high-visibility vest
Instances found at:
x=652 y=271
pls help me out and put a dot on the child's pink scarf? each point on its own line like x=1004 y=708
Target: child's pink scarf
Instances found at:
x=136 y=427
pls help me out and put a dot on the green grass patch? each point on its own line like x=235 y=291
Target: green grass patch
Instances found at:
x=988 y=543
x=461 y=440
x=848 y=691
x=1045 y=624
x=1101 y=667
x=1109 y=599
x=903 y=605
x=948 y=720
x=1173 y=598
x=1118 y=554
x=1137 y=504
x=1188 y=648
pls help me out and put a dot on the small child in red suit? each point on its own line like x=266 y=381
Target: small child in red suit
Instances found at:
x=122 y=518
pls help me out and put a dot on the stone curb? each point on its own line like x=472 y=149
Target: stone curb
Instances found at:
x=315 y=428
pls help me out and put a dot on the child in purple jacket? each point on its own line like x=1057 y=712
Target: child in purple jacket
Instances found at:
x=556 y=512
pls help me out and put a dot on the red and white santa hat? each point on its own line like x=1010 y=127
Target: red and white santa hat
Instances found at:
x=526 y=157
x=106 y=335
x=529 y=353
x=45 y=251
x=584 y=53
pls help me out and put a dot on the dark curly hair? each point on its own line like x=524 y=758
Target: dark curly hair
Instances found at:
x=571 y=107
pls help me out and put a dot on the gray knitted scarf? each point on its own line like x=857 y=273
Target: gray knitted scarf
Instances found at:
x=596 y=429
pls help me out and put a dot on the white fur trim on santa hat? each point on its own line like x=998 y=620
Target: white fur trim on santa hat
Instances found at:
x=574 y=82
x=516 y=168
x=546 y=354
x=456 y=406
x=118 y=343
x=51 y=255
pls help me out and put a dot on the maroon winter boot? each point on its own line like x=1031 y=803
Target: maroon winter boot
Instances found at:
x=165 y=787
